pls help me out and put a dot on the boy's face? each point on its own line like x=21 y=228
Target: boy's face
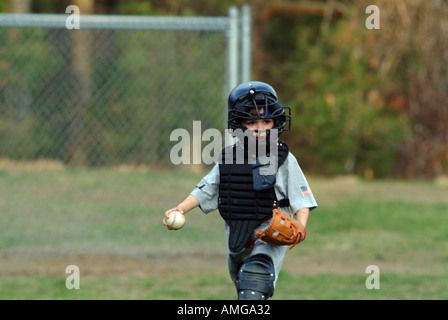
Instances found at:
x=259 y=126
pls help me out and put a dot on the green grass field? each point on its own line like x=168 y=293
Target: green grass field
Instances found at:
x=108 y=222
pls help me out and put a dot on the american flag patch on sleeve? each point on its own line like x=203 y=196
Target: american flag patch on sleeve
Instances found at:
x=306 y=190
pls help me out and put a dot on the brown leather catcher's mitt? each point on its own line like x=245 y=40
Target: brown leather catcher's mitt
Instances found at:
x=284 y=229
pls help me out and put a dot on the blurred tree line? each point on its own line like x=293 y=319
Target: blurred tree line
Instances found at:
x=365 y=102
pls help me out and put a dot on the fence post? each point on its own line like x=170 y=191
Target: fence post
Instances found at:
x=246 y=45
x=233 y=48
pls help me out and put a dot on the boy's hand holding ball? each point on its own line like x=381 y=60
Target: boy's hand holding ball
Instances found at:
x=174 y=220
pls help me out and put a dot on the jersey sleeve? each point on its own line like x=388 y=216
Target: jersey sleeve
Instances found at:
x=206 y=191
x=293 y=184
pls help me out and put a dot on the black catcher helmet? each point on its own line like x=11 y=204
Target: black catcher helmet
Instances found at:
x=263 y=98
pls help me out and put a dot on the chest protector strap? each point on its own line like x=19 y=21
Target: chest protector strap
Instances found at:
x=242 y=206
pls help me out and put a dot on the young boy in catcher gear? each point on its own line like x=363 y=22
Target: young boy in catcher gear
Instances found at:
x=254 y=185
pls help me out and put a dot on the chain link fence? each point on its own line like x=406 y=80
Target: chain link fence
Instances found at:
x=105 y=95
x=112 y=91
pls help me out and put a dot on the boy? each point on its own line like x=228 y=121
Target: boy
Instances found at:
x=245 y=195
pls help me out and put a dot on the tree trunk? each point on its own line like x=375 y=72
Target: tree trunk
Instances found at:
x=81 y=98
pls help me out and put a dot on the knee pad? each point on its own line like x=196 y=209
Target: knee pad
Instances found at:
x=256 y=278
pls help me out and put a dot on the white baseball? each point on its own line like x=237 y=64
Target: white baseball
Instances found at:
x=176 y=220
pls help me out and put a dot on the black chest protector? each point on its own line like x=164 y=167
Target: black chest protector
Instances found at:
x=243 y=206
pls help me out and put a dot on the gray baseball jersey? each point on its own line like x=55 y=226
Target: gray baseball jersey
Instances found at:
x=290 y=183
